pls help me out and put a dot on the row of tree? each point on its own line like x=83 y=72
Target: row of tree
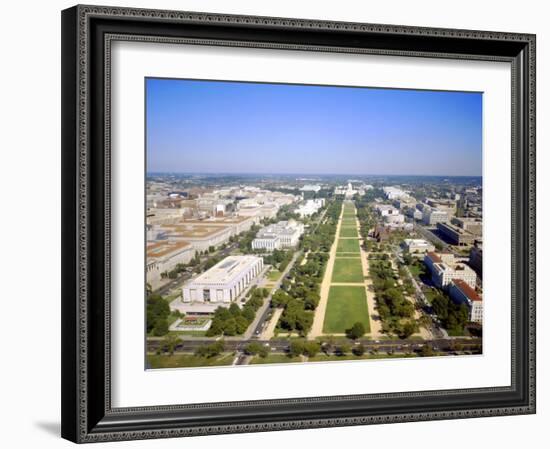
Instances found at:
x=393 y=307
x=235 y=320
x=299 y=293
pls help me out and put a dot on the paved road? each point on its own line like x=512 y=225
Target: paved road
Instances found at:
x=282 y=345
x=436 y=330
x=262 y=315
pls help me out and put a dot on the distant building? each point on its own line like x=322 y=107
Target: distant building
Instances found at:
x=476 y=257
x=417 y=246
x=431 y=216
x=311 y=188
x=225 y=281
x=386 y=210
x=394 y=218
x=444 y=269
x=456 y=235
x=163 y=256
x=381 y=234
x=471 y=225
x=461 y=293
x=310 y=207
x=285 y=234
x=393 y=193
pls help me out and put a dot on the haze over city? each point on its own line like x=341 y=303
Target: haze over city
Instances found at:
x=233 y=127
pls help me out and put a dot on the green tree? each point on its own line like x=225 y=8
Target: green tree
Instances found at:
x=312 y=348
x=426 y=351
x=344 y=349
x=230 y=327
x=359 y=350
x=253 y=348
x=296 y=348
x=356 y=331
x=170 y=343
x=161 y=327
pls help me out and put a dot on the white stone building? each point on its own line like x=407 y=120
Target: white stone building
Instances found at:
x=285 y=234
x=224 y=282
x=393 y=193
x=417 y=246
x=433 y=216
x=444 y=269
x=461 y=293
x=163 y=256
x=310 y=207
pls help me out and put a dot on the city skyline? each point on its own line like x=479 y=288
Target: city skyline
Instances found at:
x=310 y=130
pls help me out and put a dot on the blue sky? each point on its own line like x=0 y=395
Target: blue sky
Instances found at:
x=230 y=127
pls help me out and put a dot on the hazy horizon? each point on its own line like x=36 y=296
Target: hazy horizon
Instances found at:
x=216 y=127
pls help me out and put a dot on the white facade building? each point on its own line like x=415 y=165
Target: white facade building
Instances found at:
x=225 y=281
x=462 y=293
x=285 y=234
x=386 y=210
x=418 y=246
x=433 y=216
x=310 y=207
x=444 y=270
x=267 y=242
x=393 y=193
x=394 y=218
x=163 y=256
x=311 y=188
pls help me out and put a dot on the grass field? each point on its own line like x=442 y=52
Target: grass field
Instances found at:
x=188 y=360
x=349 y=220
x=274 y=275
x=348 y=231
x=348 y=246
x=332 y=358
x=346 y=306
x=274 y=358
x=347 y=270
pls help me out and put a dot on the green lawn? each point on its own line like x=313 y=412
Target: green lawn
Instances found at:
x=274 y=358
x=348 y=231
x=348 y=246
x=274 y=275
x=331 y=358
x=346 y=306
x=188 y=360
x=347 y=270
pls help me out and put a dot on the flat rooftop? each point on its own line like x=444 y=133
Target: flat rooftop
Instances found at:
x=217 y=221
x=162 y=248
x=226 y=270
x=193 y=230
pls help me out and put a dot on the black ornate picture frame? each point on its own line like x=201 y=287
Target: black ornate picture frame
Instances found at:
x=87 y=34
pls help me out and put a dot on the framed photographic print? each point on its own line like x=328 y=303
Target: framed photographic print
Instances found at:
x=277 y=223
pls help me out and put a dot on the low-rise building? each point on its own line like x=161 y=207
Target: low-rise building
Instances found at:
x=431 y=216
x=469 y=224
x=285 y=234
x=393 y=193
x=461 y=293
x=311 y=188
x=201 y=236
x=163 y=256
x=444 y=269
x=224 y=282
x=455 y=235
x=476 y=257
x=385 y=210
x=417 y=246
x=394 y=218
x=310 y=207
